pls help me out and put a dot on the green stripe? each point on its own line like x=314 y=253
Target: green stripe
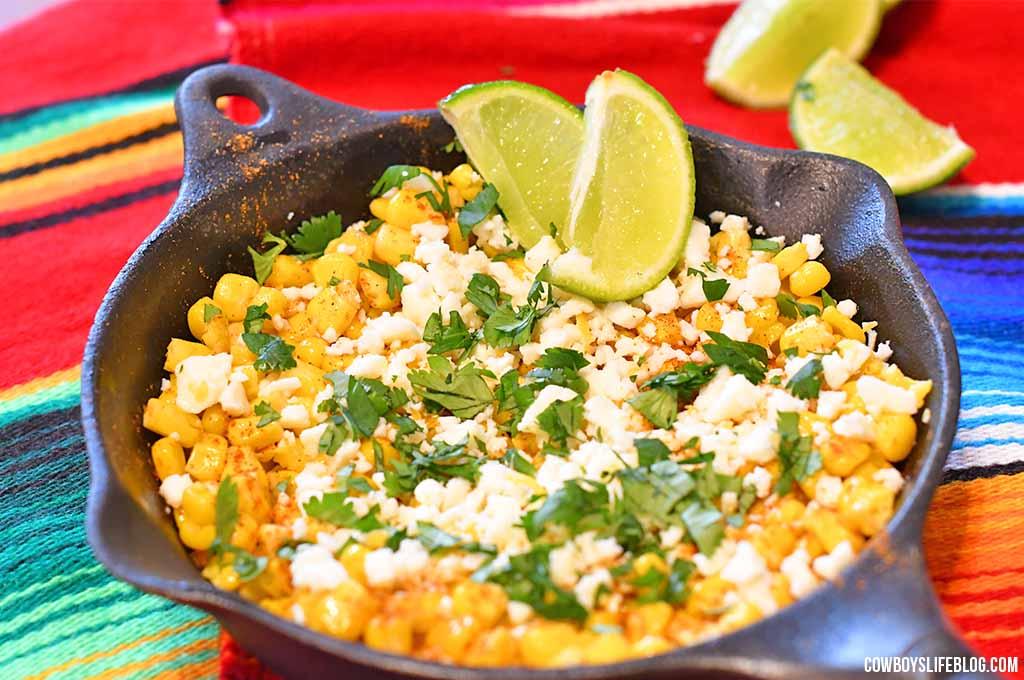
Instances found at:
x=61 y=395
x=57 y=121
x=147 y=650
x=180 y=662
x=57 y=580
x=68 y=637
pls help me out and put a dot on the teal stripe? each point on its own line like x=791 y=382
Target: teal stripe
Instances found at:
x=51 y=466
x=58 y=580
x=146 y=651
x=57 y=121
x=63 y=395
x=67 y=638
x=180 y=662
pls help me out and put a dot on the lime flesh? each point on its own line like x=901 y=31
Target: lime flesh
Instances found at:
x=524 y=140
x=839 y=108
x=632 y=195
x=766 y=45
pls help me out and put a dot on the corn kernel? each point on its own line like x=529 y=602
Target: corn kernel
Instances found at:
x=334 y=307
x=165 y=418
x=790 y=258
x=206 y=462
x=389 y=634
x=393 y=245
x=215 y=420
x=233 y=294
x=865 y=506
x=198 y=503
x=247 y=432
x=178 y=350
x=197 y=323
x=809 y=278
x=335 y=266
x=355 y=243
x=842 y=324
x=810 y=335
x=895 y=434
x=288 y=271
x=374 y=289
x=168 y=457
x=840 y=455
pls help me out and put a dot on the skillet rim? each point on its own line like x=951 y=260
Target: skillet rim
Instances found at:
x=903 y=528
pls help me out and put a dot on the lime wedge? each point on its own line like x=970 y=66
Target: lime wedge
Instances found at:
x=632 y=192
x=766 y=44
x=524 y=140
x=839 y=108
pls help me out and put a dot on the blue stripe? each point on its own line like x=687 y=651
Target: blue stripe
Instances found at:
x=948 y=205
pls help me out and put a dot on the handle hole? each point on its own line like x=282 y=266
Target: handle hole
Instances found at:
x=239 y=109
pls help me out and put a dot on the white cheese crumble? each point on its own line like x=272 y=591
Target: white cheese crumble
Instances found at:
x=201 y=381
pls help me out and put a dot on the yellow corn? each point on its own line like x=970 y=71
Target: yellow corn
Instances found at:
x=809 y=278
x=807 y=336
x=374 y=289
x=208 y=458
x=178 y=350
x=334 y=307
x=355 y=243
x=708 y=318
x=246 y=432
x=790 y=258
x=197 y=323
x=312 y=351
x=895 y=434
x=274 y=299
x=840 y=455
x=335 y=266
x=233 y=294
x=389 y=634
x=215 y=420
x=842 y=324
x=865 y=506
x=165 y=418
x=462 y=179
x=393 y=245
x=343 y=612
x=168 y=457
x=288 y=271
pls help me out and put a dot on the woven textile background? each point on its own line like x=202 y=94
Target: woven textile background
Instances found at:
x=90 y=160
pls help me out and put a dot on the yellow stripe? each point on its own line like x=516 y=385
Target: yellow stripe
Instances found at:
x=1009 y=605
x=152 y=156
x=997 y=634
x=96 y=656
x=130 y=670
x=37 y=384
x=96 y=135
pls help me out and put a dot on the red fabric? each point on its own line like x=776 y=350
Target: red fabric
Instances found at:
x=51 y=290
x=952 y=59
x=103 y=46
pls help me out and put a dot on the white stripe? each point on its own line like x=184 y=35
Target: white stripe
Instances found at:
x=998 y=410
x=985 y=189
x=1004 y=393
x=982 y=456
x=604 y=8
x=991 y=431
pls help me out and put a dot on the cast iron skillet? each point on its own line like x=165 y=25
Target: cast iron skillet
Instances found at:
x=310 y=155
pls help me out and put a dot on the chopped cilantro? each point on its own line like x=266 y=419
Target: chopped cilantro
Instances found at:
x=443 y=463
x=263 y=263
x=454 y=146
x=246 y=565
x=332 y=508
x=657 y=586
x=714 y=289
x=806 y=383
x=436 y=540
x=209 y=312
x=395 y=280
x=791 y=308
x=515 y=459
x=347 y=483
x=373 y=225
x=272 y=353
x=704 y=526
x=562 y=419
x=686 y=381
x=484 y=292
x=798 y=460
x=526 y=577
x=476 y=210
x=455 y=336
x=266 y=413
x=660 y=406
x=313 y=235
x=517 y=254
x=461 y=391
x=765 y=244
x=656 y=489
x=393 y=178
x=579 y=505
x=742 y=358
x=826 y=299
x=650 y=451
x=507 y=325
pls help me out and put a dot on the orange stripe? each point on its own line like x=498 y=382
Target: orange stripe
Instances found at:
x=116 y=166
x=106 y=653
x=96 y=135
x=63 y=376
x=208 y=668
x=130 y=669
x=972 y=585
x=997 y=634
x=1009 y=605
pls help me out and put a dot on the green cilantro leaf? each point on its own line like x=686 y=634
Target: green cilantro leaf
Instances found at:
x=462 y=391
x=650 y=451
x=660 y=406
x=475 y=211
x=484 y=292
x=255 y=315
x=455 y=336
x=742 y=358
x=332 y=508
x=686 y=381
x=313 y=235
x=443 y=463
x=395 y=280
x=517 y=254
x=656 y=586
x=514 y=459
x=393 y=178
x=714 y=289
x=263 y=263
x=209 y=312
x=562 y=419
x=826 y=299
x=806 y=383
x=765 y=244
x=454 y=146
x=333 y=436
x=655 y=490
x=579 y=505
x=798 y=460
x=561 y=357
x=526 y=577
x=436 y=540
x=225 y=512
x=247 y=565
x=373 y=225
x=272 y=353
x=704 y=526
x=266 y=413
x=347 y=483
x=789 y=307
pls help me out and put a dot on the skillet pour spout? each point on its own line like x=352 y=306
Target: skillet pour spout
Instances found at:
x=307 y=155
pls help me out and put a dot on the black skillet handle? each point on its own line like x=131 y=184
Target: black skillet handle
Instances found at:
x=217 y=148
